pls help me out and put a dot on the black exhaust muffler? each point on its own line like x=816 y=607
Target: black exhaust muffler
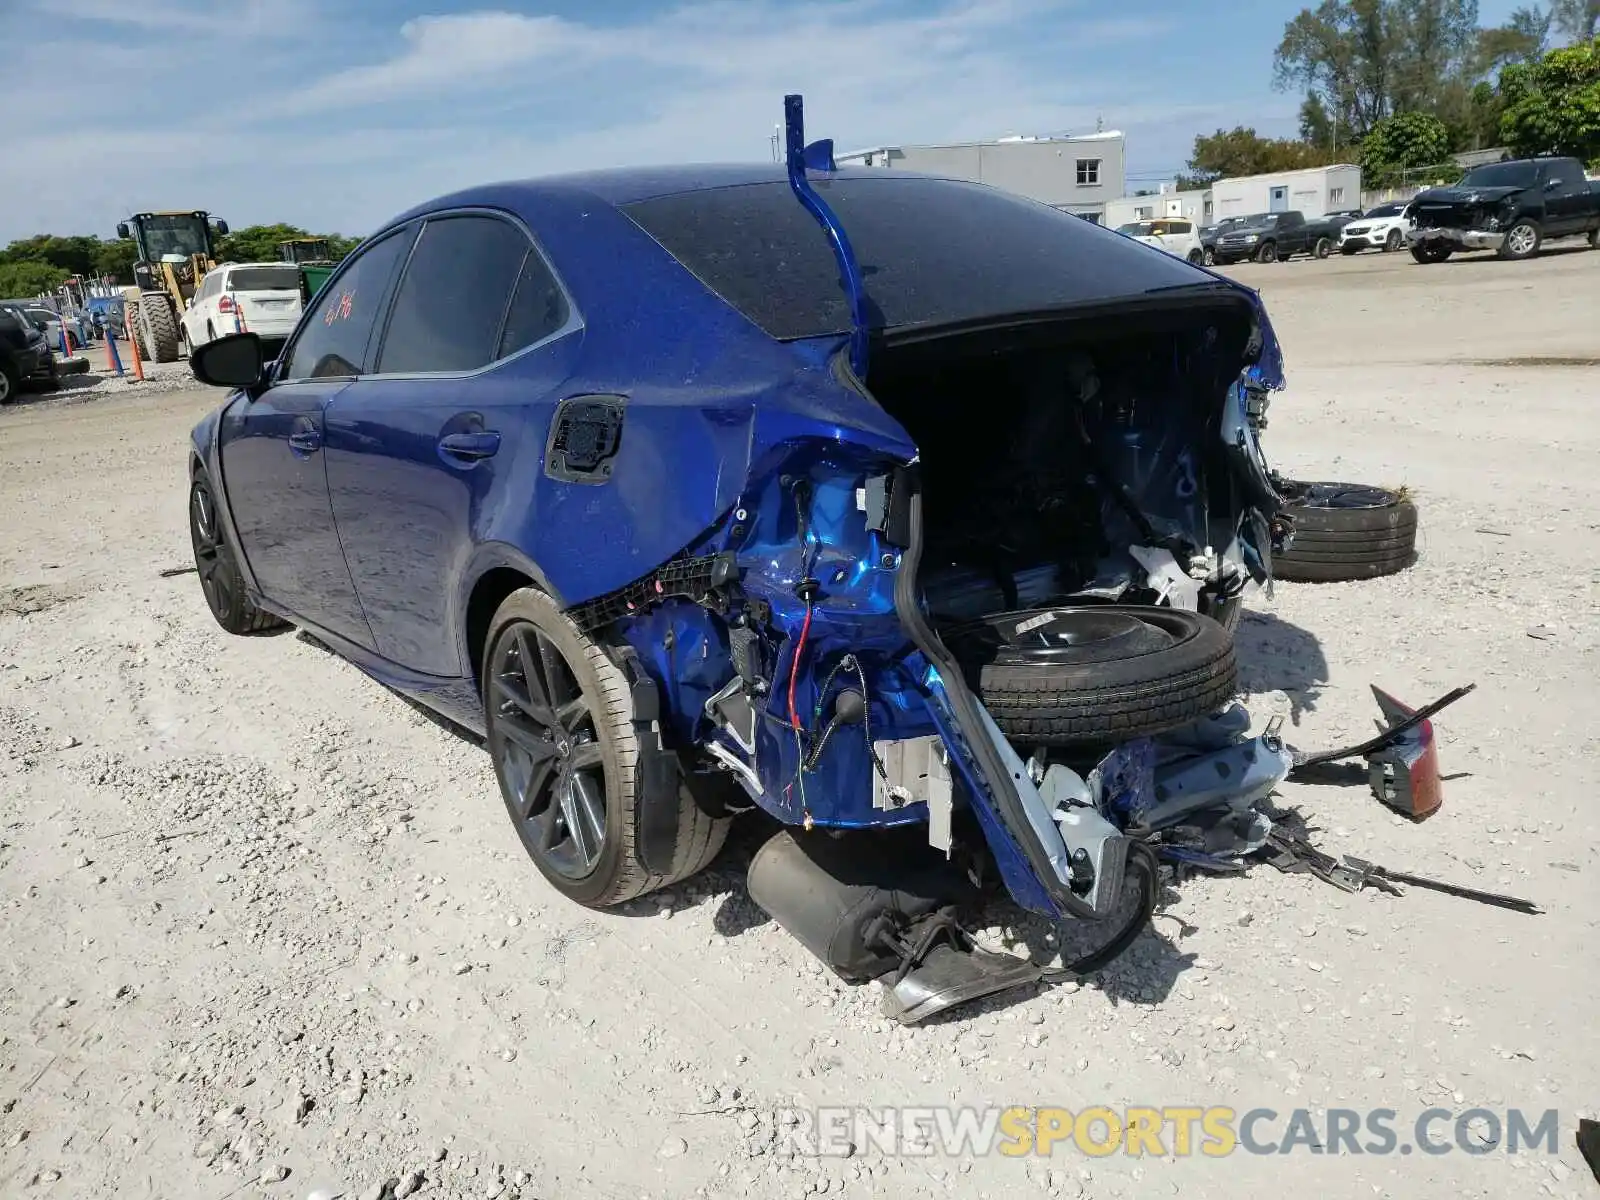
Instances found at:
x=876 y=906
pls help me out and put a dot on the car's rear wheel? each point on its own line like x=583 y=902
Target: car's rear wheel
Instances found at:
x=559 y=718
x=10 y=384
x=1345 y=531
x=218 y=566
x=1391 y=243
x=1096 y=674
x=1196 y=257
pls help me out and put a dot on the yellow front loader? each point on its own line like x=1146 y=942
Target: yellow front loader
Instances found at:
x=175 y=250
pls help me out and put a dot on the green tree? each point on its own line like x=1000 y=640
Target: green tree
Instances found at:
x=116 y=259
x=1316 y=122
x=1405 y=140
x=257 y=243
x=1578 y=20
x=74 y=255
x=1229 y=153
x=21 y=280
x=1553 y=105
x=1368 y=59
x=1521 y=39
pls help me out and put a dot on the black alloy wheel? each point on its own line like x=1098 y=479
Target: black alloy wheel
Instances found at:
x=217 y=567
x=546 y=742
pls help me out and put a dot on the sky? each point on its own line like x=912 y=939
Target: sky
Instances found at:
x=338 y=114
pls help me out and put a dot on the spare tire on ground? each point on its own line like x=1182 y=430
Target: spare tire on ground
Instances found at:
x=1346 y=531
x=1096 y=674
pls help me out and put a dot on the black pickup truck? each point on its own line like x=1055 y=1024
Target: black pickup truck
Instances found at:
x=1272 y=237
x=1510 y=207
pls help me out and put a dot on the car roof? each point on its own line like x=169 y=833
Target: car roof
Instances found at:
x=642 y=243
x=619 y=186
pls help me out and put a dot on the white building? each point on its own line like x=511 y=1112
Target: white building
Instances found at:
x=1191 y=205
x=1078 y=173
x=1315 y=191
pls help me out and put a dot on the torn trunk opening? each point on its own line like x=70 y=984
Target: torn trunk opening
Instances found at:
x=1082 y=459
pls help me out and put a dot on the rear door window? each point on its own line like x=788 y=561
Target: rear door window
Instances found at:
x=334 y=336
x=538 y=307
x=264 y=279
x=450 y=308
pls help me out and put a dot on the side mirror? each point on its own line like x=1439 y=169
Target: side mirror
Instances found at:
x=221 y=227
x=236 y=360
x=1551 y=184
x=122 y=230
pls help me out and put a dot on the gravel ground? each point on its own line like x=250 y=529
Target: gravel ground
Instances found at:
x=268 y=933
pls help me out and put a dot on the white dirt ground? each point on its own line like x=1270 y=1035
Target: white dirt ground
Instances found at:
x=259 y=917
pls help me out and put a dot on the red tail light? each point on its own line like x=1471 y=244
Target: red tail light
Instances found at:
x=224 y=303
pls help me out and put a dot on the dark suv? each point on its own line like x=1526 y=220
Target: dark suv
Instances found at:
x=25 y=358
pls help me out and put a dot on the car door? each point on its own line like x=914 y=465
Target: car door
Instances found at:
x=1566 y=200
x=194 y=317
x=273 y=468
x=475 y=341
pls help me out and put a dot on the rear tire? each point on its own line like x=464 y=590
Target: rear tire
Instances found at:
x=571 y=748
x=1345 y=531
x=133 y=328
x=1196 y=257
x=1427 y=254
x=1127 y=671
x=10 y=383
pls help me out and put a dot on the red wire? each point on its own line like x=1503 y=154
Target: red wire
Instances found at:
x=794 y=665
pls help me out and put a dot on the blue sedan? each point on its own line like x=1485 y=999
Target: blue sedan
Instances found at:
x=874 y=501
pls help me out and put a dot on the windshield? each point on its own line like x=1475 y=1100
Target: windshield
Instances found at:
x=264 y=279
x=182 y=235
x=932 y=252
x=1387 y=210
x=1511 y=174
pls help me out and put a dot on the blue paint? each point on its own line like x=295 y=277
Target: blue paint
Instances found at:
x=819 y=157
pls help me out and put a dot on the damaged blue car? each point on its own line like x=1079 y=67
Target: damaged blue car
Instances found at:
x=911 y=512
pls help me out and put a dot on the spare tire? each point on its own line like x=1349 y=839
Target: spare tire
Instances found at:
x=1097 y=674
x=1345 y=531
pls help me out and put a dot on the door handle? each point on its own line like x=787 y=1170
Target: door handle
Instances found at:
x=469 y=447
x=306 y=441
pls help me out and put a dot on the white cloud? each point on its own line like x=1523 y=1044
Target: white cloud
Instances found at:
x=338 y=126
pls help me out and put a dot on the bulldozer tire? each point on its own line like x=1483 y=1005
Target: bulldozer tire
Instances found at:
x=160 y=328
x=133 y=327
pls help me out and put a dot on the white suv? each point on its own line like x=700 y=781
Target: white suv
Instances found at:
x=1382 y=227
x=261 y=298
x=1175 y=235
